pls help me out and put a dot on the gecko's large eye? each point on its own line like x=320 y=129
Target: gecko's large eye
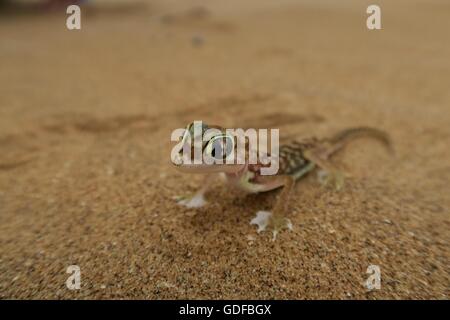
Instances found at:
x=220 y=147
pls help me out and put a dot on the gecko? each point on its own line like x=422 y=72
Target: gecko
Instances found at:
x=296 y=159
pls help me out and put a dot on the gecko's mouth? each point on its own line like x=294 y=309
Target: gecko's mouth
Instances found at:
x=209 y=168
x=187 y=165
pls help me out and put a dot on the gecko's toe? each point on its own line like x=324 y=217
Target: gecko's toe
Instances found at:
x=266 y=220
x=262 y=220
x=196 y=201
x=279 y=224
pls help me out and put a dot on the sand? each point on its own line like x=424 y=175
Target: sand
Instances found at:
x=85 y=172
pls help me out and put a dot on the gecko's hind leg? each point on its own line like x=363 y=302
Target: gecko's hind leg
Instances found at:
x=327 y=178
x=329 y=175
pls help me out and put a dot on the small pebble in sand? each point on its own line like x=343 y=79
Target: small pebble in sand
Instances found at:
x=110 y=170
x=197 y=41
x=198 y=13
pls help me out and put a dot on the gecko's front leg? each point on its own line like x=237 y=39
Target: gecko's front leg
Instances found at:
x=276 y=220
x=198 y=199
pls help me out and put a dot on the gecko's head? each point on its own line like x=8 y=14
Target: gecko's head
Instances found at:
x=204 y=149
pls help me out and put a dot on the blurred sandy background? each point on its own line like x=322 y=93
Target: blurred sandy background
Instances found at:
x=85 y=173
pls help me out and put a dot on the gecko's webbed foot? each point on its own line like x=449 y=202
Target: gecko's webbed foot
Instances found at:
x=196 y=201
x=266 y=220
x=334 y=179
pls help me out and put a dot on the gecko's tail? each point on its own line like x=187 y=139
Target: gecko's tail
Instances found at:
x=342 y=138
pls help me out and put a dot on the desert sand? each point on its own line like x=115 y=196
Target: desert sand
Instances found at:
x=85 y=171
